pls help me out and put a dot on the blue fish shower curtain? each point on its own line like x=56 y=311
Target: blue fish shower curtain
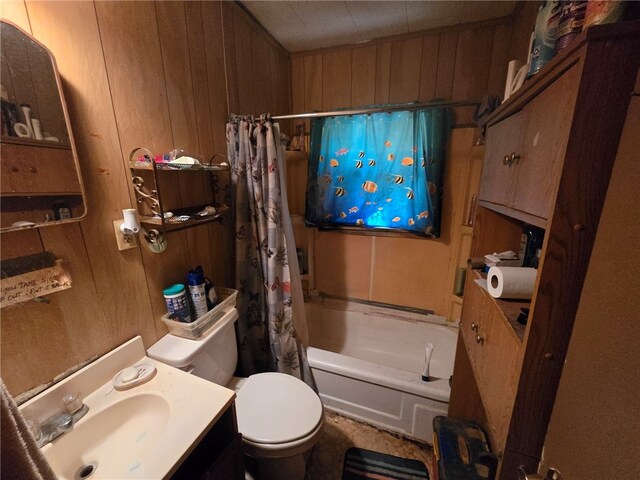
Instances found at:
x=268 y=340
x=380 y=170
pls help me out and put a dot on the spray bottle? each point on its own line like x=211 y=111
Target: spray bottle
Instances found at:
x=195 y=279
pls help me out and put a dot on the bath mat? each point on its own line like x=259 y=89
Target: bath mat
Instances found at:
x=365 y=464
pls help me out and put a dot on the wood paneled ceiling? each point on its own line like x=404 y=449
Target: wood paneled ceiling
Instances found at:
x=306 y=25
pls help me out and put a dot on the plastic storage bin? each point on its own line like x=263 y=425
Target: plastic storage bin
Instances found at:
x=193 y=330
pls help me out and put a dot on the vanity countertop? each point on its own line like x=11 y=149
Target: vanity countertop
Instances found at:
x=143 y=432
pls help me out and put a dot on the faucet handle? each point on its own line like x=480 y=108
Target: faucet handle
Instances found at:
x=72 y=402
x=34 y=428
x=63 y=422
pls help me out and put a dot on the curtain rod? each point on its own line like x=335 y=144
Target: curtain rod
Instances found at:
x=376 y=109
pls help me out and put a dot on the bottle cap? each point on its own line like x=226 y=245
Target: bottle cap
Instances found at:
x=195 y=276
x=176 y=289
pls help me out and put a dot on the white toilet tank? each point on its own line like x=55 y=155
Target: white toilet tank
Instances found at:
x=212 y=356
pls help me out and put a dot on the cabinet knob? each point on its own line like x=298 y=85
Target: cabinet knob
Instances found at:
x=474 y=326
x=479 y=339
x=513 y=158
x=505 y=161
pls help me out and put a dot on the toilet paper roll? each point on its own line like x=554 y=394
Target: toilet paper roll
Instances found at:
x=511 y=282
x=22 y=130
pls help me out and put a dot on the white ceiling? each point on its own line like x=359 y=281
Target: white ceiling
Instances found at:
x=310 y=24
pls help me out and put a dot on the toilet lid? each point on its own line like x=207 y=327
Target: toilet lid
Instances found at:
x=277 y=408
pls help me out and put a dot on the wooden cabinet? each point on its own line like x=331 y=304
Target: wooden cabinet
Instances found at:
x=28 y=169
x=503 y=140
x=39 y=169
x=218 y=455
x=563 y=126
x=525 y=150
x=494 y=351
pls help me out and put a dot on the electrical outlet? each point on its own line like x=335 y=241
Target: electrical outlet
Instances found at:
x=125 y=242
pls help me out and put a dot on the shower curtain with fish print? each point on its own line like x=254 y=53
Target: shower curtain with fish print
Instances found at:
x=380 y=170
x=267 y=338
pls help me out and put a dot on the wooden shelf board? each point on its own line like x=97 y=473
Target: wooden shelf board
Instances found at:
x=517 y=214
x=171 y=226
x=30 y=142
x=41 y=194
x=166 y=167
x=510 y=309
x=457 y=299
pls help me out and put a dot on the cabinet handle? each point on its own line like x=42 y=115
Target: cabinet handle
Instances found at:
x=474 y=326
x=479 y=339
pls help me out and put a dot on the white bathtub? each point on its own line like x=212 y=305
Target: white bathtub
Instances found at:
x=367 y=363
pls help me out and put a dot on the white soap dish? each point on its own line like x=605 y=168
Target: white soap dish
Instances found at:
x=133 y=376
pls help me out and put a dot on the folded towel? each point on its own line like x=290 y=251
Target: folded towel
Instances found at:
x=21 y=458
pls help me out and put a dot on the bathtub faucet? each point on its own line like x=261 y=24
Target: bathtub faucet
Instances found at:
x=428 y=350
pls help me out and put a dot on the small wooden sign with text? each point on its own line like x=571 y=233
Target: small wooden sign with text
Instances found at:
x=21 y=288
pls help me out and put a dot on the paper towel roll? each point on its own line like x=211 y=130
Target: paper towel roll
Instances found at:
x=511 y=282
x=512 y=69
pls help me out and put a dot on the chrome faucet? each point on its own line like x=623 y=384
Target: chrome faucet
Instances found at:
x=60 y=422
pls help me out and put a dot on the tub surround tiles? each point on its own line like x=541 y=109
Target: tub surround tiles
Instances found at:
x=404 y=272
x=341 y=433
x=343 y=264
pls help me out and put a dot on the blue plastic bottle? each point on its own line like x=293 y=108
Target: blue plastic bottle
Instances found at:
x=197 y=291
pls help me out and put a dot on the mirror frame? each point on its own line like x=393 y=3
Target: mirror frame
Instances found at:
x=72 y=142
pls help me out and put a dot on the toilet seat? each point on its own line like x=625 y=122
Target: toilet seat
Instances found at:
x=278 y=412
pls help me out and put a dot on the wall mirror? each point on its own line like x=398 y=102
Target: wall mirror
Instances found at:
x=40 y=181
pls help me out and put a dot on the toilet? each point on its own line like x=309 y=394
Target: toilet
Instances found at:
x=279 y=416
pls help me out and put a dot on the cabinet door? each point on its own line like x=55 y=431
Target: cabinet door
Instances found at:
x=503 y=139
x=496 y=358
x=474 y=313
x=32 y=170
x=547 y=124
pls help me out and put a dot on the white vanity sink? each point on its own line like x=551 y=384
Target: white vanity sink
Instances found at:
x=143 y=432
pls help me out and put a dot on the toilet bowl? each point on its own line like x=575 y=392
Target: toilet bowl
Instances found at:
x=279 y=416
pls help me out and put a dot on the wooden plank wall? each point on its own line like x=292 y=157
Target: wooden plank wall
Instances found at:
x=134 y=74
x=454 y=64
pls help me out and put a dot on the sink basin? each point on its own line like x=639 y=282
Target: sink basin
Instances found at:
x=133 y=424
x=144 y=432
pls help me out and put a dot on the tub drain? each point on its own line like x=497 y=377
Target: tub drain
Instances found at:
x=86 y=471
